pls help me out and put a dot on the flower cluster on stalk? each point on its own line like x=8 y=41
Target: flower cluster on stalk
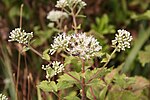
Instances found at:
x=20 y=36
x=53 y=69
x=3 y=97
x=56 y=15
x=122 y=40
x=58 y=67
x=76 y=45
x=70 y=3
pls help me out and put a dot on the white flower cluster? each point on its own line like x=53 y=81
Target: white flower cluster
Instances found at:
x=69 y=3
x=56 y=15
x=58 y=67
x=76 y=45
x=60 y=42
x=55 y=67
x=122 y=40
x=20 y=36
x=3 y=97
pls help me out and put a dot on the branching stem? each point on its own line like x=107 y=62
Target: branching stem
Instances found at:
x=95 y=75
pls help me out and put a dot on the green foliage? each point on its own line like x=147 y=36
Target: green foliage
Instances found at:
x=144 y=16
x=123 y=81
x=42 y=36
x=48 y=86
x=102 y=25
x=144 y=56
x=109 y=84
x=46 y=55
x=69 y=79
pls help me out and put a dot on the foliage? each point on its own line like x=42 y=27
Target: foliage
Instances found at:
x=99 y=77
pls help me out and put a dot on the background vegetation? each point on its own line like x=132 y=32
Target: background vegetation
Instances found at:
x=103 y=18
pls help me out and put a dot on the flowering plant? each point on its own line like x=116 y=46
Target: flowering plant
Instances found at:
x=79 y=49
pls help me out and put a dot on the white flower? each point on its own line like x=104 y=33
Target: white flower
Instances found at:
x=70 y=3
x=122 y=40
x=61 y=4
x=76 y=45
x=56 y=15
x=20 y=36
x=82 y=4
x=84 y=46
x=3 y=97
x=53 y=69
x=57 y=66
x=61 y=41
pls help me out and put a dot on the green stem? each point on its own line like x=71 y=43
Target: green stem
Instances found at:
x=95 y=75
x=74 y=20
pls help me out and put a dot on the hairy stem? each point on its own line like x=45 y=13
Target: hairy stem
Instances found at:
x=35 y=51
x=95 y=75
x=83 y=81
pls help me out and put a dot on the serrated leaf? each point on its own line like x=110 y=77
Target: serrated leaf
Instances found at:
x=48 y=86
x=63 y=85
x=68 y=78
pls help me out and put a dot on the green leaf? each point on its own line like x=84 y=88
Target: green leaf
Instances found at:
x=63 y=85
x=74 y=61
x=102 y=25
x=72 y=98
x=144 y=16
x=48 y=86
x=102 y=94
x=144 y=56
x=123 y=81
x=50 y=72
x=46 y=55
x=68 y=78
x=89 y=73
x=122 y=95
x=104 y=60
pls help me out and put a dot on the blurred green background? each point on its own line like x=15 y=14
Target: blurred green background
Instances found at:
x=104 y=16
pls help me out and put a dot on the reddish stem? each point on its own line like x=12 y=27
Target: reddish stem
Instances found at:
x=83 y=81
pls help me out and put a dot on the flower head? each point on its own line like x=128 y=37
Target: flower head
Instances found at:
x=76 y=45
x=57 y=66
x=70 y=3
x=84 y=46
x=53 y=69
x=61 y=3
x=122 y=40
x=60 y=42
x=3 y=97
x=56 y=15
x=20 y=36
